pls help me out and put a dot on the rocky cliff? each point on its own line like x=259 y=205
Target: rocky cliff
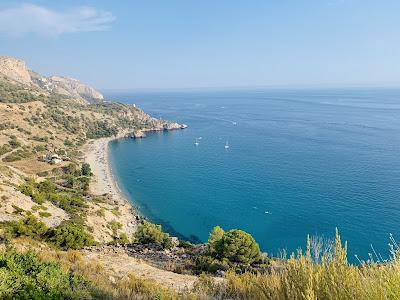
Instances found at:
x=16 y=71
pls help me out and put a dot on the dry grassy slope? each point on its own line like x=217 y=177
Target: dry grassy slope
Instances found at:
x=43 y=126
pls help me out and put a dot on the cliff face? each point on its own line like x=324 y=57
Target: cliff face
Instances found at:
x=16 y=71
x=67 y=87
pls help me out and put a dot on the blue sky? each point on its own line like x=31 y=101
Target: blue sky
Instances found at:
x=207 y=43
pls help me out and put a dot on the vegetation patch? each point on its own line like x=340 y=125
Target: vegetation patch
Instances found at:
x=148 y=233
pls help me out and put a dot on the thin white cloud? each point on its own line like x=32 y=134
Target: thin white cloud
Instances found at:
x=30 y=18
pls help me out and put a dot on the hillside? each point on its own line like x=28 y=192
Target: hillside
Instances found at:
x=63 y=235
x=36 y=123
x=16 y=71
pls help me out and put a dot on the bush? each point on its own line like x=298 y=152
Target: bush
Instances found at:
x=68 y=143
x=215 y=238
x=86 y=170
x=24 y=276
x=69 y=202
x=83 y=183
x=114 y=226
x=238 y=246
x=4 y=149
x=30 y=226
x=14 y=143
x=44 y=214
x=71 y=236
x=148 y=233
x=207 y=263
x=122 y=239
x=39 y=198
x=47 y=186
x=26 y=189
x=42 y=174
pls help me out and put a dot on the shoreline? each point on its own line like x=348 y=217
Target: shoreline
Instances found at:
x=96 y=154
x=103 y=182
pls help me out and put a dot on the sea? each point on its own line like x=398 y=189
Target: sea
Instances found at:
x=298 y=162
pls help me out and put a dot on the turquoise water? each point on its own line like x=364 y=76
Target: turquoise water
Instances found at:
x=300 y=162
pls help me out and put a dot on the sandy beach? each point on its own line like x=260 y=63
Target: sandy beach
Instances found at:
x=103 y=182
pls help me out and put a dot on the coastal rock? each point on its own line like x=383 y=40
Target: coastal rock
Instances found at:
x=174 y=126
x=138 y=134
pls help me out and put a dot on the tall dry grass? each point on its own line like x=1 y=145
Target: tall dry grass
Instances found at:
x=316 y=274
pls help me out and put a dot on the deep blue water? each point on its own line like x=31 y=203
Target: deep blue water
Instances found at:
x=300 y=162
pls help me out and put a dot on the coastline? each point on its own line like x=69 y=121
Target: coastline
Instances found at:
x=103 y=182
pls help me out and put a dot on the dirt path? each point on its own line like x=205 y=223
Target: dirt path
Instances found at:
x=120 y=265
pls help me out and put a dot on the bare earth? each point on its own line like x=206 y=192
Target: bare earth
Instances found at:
x=120 y=265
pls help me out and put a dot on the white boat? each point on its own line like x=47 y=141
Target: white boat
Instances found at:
x=196 y=142
x=226 y=145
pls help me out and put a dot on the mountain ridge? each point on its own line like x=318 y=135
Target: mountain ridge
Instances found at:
x=16 y=71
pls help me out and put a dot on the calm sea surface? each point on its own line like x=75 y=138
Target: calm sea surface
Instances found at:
x=299 y=162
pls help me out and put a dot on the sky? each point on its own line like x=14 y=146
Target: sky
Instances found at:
x=159 y=44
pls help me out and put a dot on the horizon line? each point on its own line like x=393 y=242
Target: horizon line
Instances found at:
x=261 y=87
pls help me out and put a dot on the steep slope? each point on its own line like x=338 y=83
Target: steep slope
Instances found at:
x=16 y=71
x=37 y=124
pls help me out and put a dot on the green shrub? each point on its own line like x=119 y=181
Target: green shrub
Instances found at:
x=26 y=189
x=17 y=155
x=69 y=202
x=122 y=239
x=14 y=143
x=114 y=226
x=83 y=183
x=30 y=226
x=71 y=236
x=185 y=244
x=17 y=210
x=148 y=233
x=238 y=246
x=68 y=143
x=44 y=214
x=39 y=198
x=72 y=169
x=47 y=186
x=42 y=174
x=115 y=211
x=4 y=149
x=215 y=238
x=43 y=139
x=24 y=276
x=39 y=148
x=208 y=263
x=86 y=170
x=101 y=212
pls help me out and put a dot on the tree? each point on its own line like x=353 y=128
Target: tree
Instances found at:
x=148 y=233
x=239 y=246
x=215 y=238
x=86 y=170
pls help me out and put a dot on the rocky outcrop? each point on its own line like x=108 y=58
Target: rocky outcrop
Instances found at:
x=67 y=86
x=15 y=70
x=173 y=126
